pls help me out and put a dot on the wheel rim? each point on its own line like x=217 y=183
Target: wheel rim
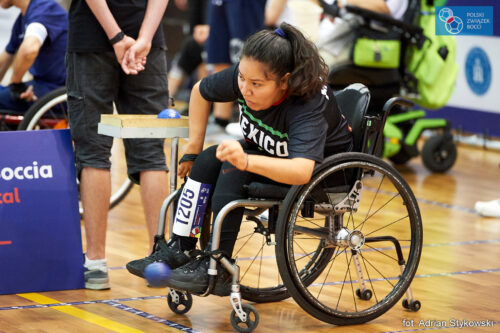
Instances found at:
x=259 y=274
x=333 y=292
x=50 y=110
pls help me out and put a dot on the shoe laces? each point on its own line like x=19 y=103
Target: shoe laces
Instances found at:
x=162 y=246
x=202 y=257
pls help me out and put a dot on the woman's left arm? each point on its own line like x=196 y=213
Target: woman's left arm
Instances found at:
x=295 y=171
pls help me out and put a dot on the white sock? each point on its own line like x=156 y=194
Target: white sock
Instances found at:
x=100 y=264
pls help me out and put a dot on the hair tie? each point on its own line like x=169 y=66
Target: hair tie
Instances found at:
x=280 y=32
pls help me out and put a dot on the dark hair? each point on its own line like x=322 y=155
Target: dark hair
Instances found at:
x=293 y=54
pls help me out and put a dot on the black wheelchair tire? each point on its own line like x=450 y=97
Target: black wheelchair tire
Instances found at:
x=439 y=153
x=38 y=108
x=296 y=288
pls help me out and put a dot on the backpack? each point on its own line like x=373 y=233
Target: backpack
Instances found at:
x=433 y=65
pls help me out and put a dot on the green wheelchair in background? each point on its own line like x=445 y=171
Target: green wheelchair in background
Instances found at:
x=404 y=58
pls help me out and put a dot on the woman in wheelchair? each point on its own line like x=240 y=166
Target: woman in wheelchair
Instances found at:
x=290 y=121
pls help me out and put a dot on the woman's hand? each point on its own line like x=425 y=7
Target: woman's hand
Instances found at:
x=184 y=168
x=232 y=152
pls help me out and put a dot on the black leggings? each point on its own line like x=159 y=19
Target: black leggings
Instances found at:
x=227 y=183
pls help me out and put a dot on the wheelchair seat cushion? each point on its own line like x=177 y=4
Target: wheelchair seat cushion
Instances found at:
x=267 y=191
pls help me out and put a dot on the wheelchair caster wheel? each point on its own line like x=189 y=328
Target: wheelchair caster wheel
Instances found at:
x=412 y=306
x=184 y=305
x=252 y=319
x=365 y=294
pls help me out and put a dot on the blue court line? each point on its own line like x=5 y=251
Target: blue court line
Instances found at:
x=436 y=328
x=34 y=306
x=445 y=205
x=152 y=317
x=429 y=202
x=478 y=271
x=117 y=304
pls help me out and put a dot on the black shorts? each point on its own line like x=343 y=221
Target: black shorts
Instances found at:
x=94 y=82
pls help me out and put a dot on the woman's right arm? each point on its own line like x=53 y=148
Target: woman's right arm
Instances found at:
x=199 y=109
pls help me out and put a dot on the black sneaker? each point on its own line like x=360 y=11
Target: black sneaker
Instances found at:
x=169 y=253
x=193 y=277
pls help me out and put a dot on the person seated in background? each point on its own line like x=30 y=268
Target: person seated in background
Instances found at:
x=337 y=35
x=191 y=56
x=37 y=44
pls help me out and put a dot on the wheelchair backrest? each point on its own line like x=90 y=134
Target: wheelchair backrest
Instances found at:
x=353 y=103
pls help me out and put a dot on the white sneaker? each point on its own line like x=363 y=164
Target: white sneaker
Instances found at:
x=96 y=274
x=234 y=129
x=488 y=208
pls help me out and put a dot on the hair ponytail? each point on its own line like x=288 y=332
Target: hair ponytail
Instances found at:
x=286 y=50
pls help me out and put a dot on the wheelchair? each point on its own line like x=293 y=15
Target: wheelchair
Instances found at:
x=50 y=112
x=347 y=244
x=404 y=125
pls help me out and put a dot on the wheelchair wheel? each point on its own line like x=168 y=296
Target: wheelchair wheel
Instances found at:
x=260 y=280
x=50 y=112
x=360 y=209
x=439 y=153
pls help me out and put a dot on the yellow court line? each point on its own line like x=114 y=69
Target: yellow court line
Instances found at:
x=75 y=312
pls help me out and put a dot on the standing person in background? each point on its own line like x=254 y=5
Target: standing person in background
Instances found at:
x=116 y=54
x=192 y=55
x=231 y=23
x=37 y=44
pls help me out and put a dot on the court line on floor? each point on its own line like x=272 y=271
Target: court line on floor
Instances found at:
x=418 y=276
x=46 y=302
x=446 y=205
x=152 y=317
x=56 y=303
x=120 y=300
x=79 y=313
x=429 y=202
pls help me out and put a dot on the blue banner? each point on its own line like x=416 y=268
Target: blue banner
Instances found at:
x=464 y=20
x=40 y=238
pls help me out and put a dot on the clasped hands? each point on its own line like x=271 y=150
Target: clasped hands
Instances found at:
x=131 y=54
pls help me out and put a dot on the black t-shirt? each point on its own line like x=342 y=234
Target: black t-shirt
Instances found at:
x=85 y=34
x=312 y=128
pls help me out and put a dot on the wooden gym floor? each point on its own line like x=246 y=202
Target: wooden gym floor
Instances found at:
x=458 y=278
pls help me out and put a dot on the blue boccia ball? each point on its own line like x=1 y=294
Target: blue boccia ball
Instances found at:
x=157 y=274
x=169 y=114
